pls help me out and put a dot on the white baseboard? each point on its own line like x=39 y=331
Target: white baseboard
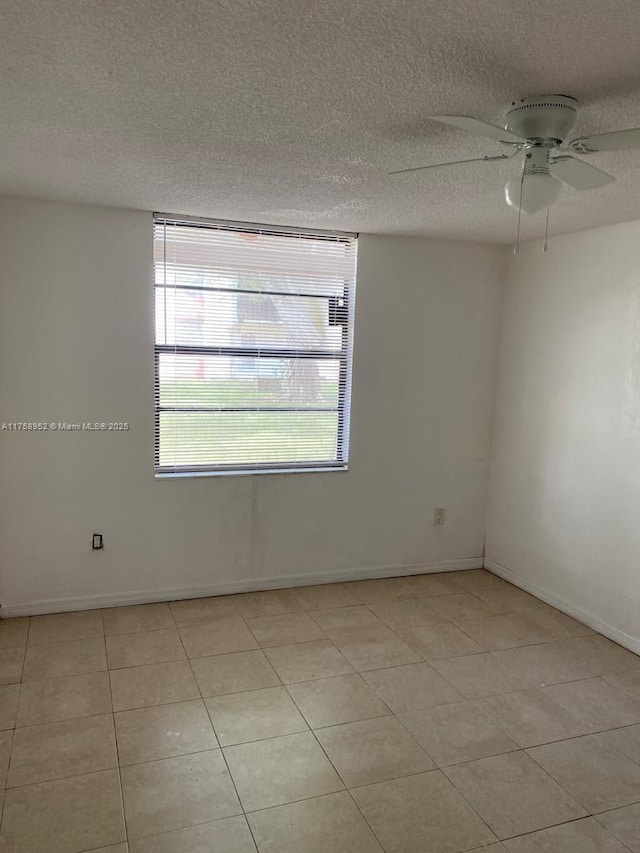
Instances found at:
x=585 y=616
x=91 y=602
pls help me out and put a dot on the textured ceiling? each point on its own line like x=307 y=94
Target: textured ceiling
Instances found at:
x=292 y=111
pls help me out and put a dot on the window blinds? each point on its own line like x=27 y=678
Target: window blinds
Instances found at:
x=253 y=347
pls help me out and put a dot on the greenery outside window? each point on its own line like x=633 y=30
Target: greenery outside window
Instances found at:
x=254 y=341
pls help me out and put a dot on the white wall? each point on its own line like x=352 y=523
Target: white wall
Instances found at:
x=564 y=511
x=76 y=344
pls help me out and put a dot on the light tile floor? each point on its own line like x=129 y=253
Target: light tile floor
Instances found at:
x=441 y=713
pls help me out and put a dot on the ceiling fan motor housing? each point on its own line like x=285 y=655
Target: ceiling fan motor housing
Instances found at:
x=549 y=117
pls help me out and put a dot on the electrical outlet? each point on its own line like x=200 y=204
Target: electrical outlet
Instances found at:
x=439 y=515
x=97 y=543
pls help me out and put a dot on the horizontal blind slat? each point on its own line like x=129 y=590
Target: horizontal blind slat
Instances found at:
x=253 y=347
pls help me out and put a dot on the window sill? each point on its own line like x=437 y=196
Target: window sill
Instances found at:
x=182 y=475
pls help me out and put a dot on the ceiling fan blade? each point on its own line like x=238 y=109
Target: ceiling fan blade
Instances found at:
x=476 y=125
x=578 y=174
x=450 y=163
x=617 y=140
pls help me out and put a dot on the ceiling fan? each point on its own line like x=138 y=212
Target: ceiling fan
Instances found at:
x=538 y=128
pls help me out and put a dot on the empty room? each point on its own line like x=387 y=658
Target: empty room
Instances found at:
x=319 y=426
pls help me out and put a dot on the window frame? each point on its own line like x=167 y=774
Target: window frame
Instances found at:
x=344 y=357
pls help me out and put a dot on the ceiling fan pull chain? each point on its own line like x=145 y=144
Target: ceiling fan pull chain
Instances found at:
x=546 y=234
x=517 y=245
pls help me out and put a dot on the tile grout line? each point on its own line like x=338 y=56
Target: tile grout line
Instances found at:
x=115 y=737
x=558 y=782
x=348 y=791
x=202 y=699
x=312 y=731
x=565 y=823
x=610 y=831
x=13 y=730
x=24 y=657
x=5 y=789
x=425 y=709
x=510 y=837
x=443 y=770
x=393 y=714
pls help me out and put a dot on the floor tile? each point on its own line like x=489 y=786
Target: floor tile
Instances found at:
x=549 y=663
x=136 y=618
x=372 y=751
x=331 y=701
x=512 y=794
x=624 y=824
x=602 y=656
x=223 y=635
x=597 y=703
x=229 y=835
x=531 y=717
x=325 y=596
x=319 y=825
x=233 y=673
x=11 y=661
x=382 y=589
x=60 y=627
x=177 y=792
x=626 y=740
x=459 y=608
x=285 y=629
x=13 y=632
x=506 y=631
x=270 y=602
x=257 y=714
x=65 y=816
x=306 y=661
x=64 y=698
x=558 y=626
x=579 y=836
x=471 y=580
x=281 y=770
x=373 y=648
x=66 y=748
x=146 y=647
x=629 y=682
x=162 y=731
x=421 y=813
x=156 y=684
x=68 y=658
x=592 y=771
x=478 y=675
x=338 y=618
x=425 y=586
x=505 y=671
x=195 y=611
x=9 y=694
x=441 y=640
x=405 y=615
x=6 y=739
x=457 y=732
x=509 y=599
x=412 y=687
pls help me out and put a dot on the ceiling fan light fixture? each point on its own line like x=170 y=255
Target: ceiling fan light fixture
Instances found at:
x=540 y=190
x=538 y=128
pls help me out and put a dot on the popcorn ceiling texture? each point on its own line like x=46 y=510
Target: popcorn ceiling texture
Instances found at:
x=292 y=111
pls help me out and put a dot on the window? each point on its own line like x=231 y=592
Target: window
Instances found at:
x=254 y=330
